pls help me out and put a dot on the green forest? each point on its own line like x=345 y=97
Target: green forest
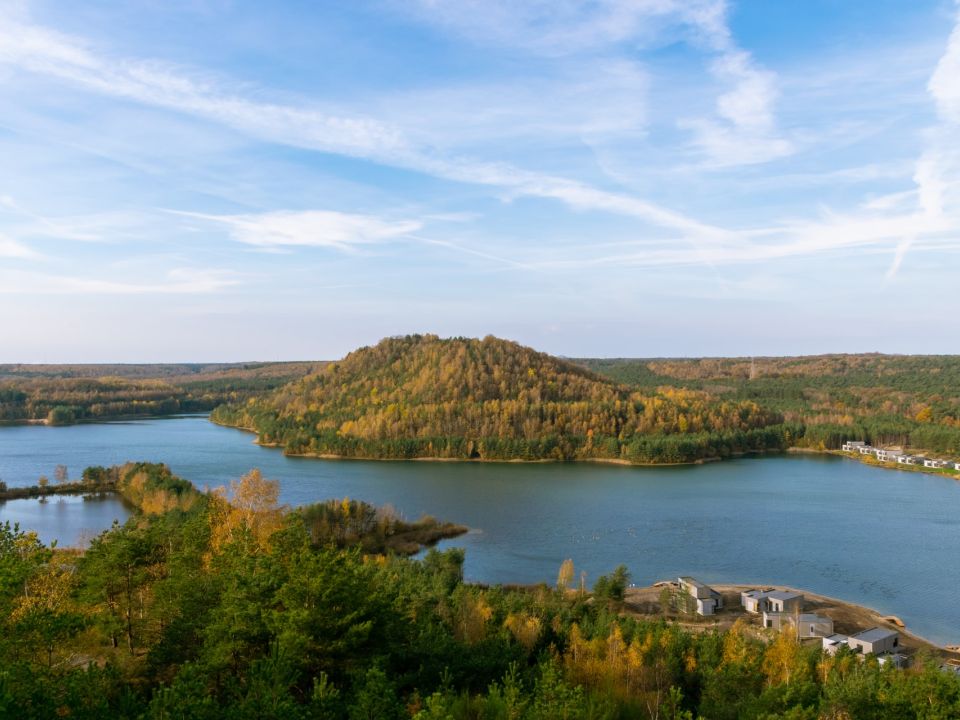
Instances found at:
x=907 y=400
x=66 y=394
x=226 y=604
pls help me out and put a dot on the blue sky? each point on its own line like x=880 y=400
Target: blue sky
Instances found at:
x=223 y=180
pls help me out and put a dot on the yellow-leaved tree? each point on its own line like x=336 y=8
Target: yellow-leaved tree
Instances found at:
x=250 y=504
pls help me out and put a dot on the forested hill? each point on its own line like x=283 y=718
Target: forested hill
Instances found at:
x=422 y=396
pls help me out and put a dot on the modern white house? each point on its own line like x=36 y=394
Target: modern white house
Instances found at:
x=833 y=643
x=897 y=455
x=853 y=445
x=708 y=599
x=806 y=625
x=771 y=601
x=898 y=660
x=875 y=641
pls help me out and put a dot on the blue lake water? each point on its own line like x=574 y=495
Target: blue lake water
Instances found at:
x=883 y=538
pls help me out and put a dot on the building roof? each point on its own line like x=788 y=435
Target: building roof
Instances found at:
x=837 y=638
x=704 y=591
x=874 y=634
x=783 y=594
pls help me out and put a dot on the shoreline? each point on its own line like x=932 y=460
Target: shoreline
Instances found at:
x=24 y=422
x=792 y=450
x=508 y=461
x=863 y=460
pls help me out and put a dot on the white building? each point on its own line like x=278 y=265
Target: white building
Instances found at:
x=708 y=599
x=853 y=445
x=771 y=601
x=931 y=463
x=875 y=641
x=833 y=643
x=806 y=625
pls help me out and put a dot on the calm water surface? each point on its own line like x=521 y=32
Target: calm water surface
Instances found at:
x=883 y=538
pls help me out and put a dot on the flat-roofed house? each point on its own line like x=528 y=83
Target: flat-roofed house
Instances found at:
x=875 y=641
x=865 y=450
x=933 y=463
x=751 y=599
x=956 y=466
x=888 y=455
x=898 y=660
x=708 y=600
x=784 y=601
x=907 y=459
x=771 y=601
x=852 y=445
x=806 y=625
x=833 y=643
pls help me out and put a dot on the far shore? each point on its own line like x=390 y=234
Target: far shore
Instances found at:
x=109 y=419
x=511 y=461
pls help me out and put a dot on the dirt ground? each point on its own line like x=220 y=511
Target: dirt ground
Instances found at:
x=848 y=619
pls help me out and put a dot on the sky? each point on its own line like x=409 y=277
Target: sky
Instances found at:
x=226 y=180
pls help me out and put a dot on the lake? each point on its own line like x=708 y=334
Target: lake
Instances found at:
x=883 y=538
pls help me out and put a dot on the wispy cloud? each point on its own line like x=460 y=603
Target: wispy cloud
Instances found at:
x=944 y=84
x=744 y=130
x=69 y=59
x=937 y=173
x=309 y=228
x=10 y=248
x=179 y=281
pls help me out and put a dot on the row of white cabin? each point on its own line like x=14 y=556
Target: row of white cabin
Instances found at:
x=782 y=609
x=897 y=456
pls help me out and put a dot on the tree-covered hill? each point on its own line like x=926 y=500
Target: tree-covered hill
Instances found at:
x=423 y=396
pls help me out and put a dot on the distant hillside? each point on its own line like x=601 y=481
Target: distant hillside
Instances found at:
x=422 y=396
x=63 y=394
x=908 y=400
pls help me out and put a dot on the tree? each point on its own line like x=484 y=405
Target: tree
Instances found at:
x=666 y=599
x=565 y=576
x=613 y=587
x=251 y=505
x=116 y=570
x=376 y=699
